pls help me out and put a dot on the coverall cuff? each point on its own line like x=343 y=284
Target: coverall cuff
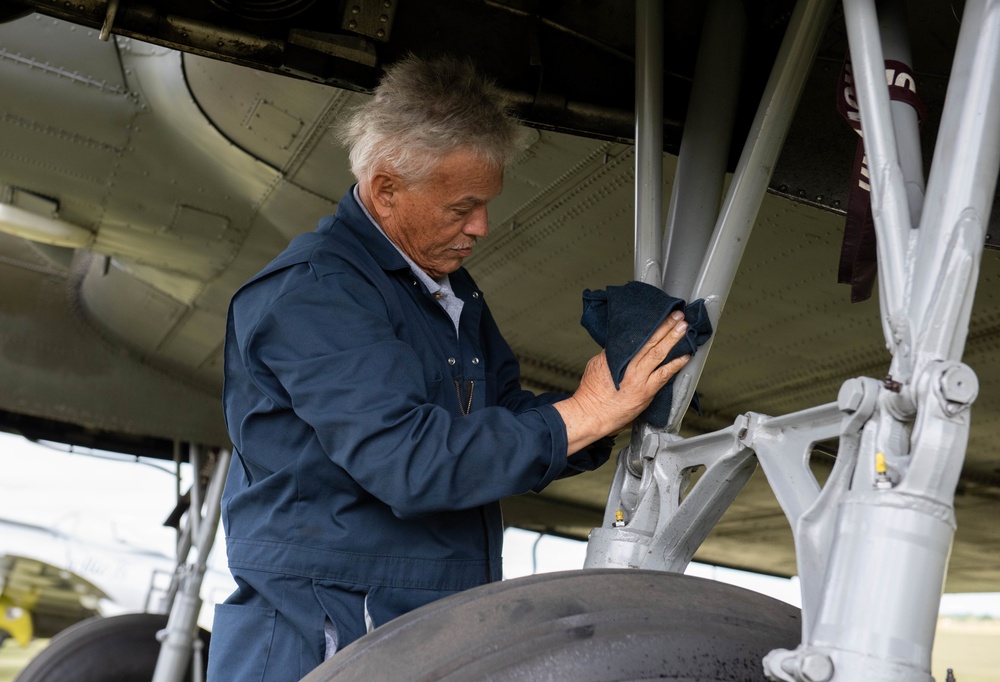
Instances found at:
x=557 y=456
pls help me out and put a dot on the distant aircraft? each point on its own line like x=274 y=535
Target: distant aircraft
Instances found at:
x=146 y=175
x=39 y=599
x=52 y=579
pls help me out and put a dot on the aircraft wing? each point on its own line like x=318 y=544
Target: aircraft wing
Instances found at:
x=171 y=162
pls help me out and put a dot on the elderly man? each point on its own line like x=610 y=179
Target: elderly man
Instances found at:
x=374 y=407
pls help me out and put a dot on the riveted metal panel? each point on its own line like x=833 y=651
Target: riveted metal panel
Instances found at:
x=63 y=151
x=285 y=123
x=57 y=365
x=173 y=151
x=194 y=339
x=127 y=307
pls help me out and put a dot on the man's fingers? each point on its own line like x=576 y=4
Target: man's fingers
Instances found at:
x=647 y=372
x=669 y=330
x=666 y=327
x=672 y=368
x=661 y=341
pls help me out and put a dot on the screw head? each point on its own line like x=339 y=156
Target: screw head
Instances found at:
x=816 y=668
x=959 y=384
x=851 y=394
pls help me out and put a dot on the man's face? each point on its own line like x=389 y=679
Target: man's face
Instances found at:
x=437 y=222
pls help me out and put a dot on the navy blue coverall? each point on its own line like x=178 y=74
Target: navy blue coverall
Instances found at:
x=358 y=485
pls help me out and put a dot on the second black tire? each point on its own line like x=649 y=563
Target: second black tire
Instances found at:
x=115 y=649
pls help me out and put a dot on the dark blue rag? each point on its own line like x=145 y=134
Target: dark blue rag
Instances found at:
x=621 y=319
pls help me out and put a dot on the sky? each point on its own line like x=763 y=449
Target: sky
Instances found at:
x=115 y=506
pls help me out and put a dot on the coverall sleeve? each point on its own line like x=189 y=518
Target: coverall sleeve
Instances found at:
x=327 y=349
x=513 y=397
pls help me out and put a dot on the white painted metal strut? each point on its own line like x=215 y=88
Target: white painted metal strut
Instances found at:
x=180 y=648
x=890 y=208
x=648 y=152
x=753 y=172
x=961 y=185
x=890 y=547
x=704 y=149
x=905 y=118
x=872 y=543
x=713 y=281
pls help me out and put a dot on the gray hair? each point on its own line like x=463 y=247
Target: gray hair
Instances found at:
x=421 y=111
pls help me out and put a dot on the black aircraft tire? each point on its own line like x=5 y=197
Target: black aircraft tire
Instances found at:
x=584 y=626
x=115 y=649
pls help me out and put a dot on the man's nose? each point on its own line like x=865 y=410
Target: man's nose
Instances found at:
x=478 y=224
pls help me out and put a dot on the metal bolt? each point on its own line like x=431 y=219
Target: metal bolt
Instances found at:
x=383 y=19
x=742 y=425
x=352 y=24
x=380 y=33
x=959 y=384
x=816 y=668
x=851 y=394
x=355 y=10
x=634 y=462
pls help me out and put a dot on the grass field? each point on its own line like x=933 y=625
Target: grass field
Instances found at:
x=13 y=657
x=970 y=647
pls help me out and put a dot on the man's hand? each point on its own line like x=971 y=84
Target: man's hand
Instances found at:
x=597 y=409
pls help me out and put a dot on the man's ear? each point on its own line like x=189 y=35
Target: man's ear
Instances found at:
x=383 y=188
